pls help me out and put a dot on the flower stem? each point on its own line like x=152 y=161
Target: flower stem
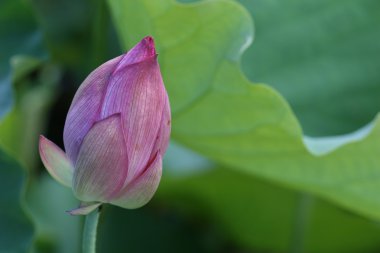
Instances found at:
x=302 y=218
x=89 y=231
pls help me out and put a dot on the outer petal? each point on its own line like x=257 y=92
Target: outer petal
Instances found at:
x=84 y=208
x=85 y=108
x=56 y=162
x=142 y=189
x=164 y=132
x=137 y=91
x=143 y=50
x=102 y=162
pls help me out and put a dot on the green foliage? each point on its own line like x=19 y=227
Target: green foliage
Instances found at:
x=262 y=216
x=19 y=35
x=79 y=38
x=30 y=83
x=257 y=214
x=35 y=86
x=323 y=56
x=152 y=229
x=16 y=230
x=249 y=127
x=56 y=231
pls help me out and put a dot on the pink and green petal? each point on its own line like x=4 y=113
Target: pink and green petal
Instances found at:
x=84 y=208
x=142 y=189
x=56 y=162
x=102 y=163
x=143 y=50
x=84 y=110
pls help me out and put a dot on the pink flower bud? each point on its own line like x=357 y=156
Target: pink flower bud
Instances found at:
x=116 y=132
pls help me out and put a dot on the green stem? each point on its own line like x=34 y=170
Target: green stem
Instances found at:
x=89 y=231
x=301 y=222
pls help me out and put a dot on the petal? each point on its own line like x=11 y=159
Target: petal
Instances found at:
x=164 y=132
x=84 y=208
x=141 y=190
x=102 y=162
x=143 y=50
x=138 y=93
x=56 y=161
x=85 y=108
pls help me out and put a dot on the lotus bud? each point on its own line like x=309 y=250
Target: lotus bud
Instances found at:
x=116 y=133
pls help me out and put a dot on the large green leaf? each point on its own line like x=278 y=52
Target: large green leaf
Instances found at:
x=19 y=35
x=259 y=215
x=317 y=53
x=262 y=216
x=16 y=230
x=219 y=113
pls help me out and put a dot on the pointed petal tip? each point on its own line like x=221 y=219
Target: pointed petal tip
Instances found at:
x=42 y=141
x=148 y=45
x=149 y=39
x=143 y=51
x=55 y=161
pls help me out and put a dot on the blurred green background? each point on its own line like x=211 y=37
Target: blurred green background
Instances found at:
x=242 y=173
